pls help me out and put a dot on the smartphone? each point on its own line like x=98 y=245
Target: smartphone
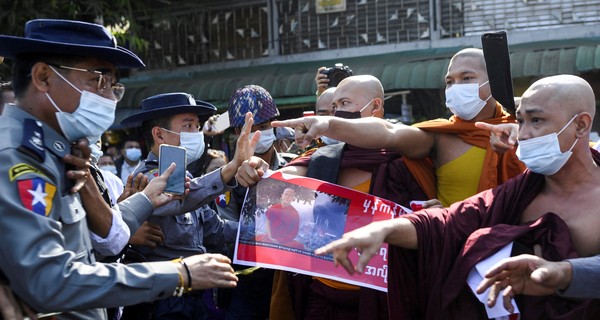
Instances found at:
x=167 y=155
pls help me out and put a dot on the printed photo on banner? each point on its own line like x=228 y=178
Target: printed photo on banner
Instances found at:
x=285 y=218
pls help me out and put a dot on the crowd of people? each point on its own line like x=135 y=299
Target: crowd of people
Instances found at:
x=90 y=233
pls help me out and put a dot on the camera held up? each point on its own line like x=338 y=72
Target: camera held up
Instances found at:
x=336 y=74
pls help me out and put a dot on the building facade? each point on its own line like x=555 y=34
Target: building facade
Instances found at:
x=209 y=48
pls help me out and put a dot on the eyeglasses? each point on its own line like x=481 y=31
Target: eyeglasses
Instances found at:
x=105 y=81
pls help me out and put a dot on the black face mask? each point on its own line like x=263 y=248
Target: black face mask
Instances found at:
x=351 y=115
x=347 y=115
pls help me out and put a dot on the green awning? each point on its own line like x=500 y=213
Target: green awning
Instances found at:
x=292 y=84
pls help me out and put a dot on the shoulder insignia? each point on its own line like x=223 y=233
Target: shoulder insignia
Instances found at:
x=36 y=195
x=223 y=199
x=153 y=172
x=33 y=139
x=20 y=169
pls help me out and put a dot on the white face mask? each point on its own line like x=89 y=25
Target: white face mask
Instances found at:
x=267 y=138
x=463 y=100
x=542 y=154
x=193 y=142
x=110 y=168
x=93 y=116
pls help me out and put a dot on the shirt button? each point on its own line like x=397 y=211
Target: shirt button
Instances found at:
x=214 y=187
x=161 y=294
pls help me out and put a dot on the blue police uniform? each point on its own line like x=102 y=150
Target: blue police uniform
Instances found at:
x=188 y=225
x=46 y=251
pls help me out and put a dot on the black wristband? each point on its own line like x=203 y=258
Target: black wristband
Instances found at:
x=187 y=270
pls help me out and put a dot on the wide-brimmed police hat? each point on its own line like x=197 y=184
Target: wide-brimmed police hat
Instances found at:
x=168 y=104
x=68 y=37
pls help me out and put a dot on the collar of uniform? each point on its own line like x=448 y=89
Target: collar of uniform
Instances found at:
x=152 y=157
x=53 y=141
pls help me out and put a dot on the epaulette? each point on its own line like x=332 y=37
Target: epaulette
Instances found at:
x=33 y=140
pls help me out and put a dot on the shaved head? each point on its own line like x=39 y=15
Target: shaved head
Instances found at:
x=365 y=85
x=565 y=93
x=324 y=105
x=471 y=53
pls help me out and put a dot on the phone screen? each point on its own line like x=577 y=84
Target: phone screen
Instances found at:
x=169 y=154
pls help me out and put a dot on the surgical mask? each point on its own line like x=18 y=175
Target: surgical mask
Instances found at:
x=110 y=168
x=463 y=100
x=96 y=152
x=93 y=115
x=267 y=138
x=542 y=154
x=351 y=115
x=329 y=141
x=193 y=142
x=133 y=154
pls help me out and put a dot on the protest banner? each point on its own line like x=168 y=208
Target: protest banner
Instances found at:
x=284 y=218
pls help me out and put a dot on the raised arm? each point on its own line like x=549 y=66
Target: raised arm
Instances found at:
x=371 y=132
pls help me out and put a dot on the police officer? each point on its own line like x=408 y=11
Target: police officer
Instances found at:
x=46 y=253
x=188 y=225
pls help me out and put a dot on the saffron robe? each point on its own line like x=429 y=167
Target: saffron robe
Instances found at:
x=497 y=168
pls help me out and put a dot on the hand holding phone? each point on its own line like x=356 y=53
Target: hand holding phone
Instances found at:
x=173 y=154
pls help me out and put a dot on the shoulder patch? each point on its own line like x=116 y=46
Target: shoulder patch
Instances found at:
x=33 y=139
x=223 y=199
x=36 y=195
x=20 y=169
x=153 y=172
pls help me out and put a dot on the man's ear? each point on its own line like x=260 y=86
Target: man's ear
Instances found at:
x=584 y=124
x=40 y=73
x=158 y=135
x=377 y=107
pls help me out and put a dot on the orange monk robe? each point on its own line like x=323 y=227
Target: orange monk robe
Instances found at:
x=497 y=168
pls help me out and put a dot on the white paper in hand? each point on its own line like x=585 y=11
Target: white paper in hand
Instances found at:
x=222 y=122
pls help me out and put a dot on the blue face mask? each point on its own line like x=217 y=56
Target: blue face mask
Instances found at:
x=133 y=154
x=93 y=116
x=267 y=138
x=193 y=142
x=542 y=154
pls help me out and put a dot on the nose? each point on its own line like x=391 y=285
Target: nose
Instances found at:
x=524 y=132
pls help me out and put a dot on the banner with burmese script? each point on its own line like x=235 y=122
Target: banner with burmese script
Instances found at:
x=284 y=218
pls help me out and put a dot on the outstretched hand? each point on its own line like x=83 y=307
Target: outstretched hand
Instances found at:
x=503 y=137
x=366 y=241
x=306 y=129
x=246 y=144
x=251 y=171
x=211 y=271
x=133 y=185
x=524 y=274
x=155 y=189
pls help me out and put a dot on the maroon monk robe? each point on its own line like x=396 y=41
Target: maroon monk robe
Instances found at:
x=434 y=285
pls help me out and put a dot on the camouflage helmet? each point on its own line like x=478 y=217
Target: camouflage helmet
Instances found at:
x=251 y=98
